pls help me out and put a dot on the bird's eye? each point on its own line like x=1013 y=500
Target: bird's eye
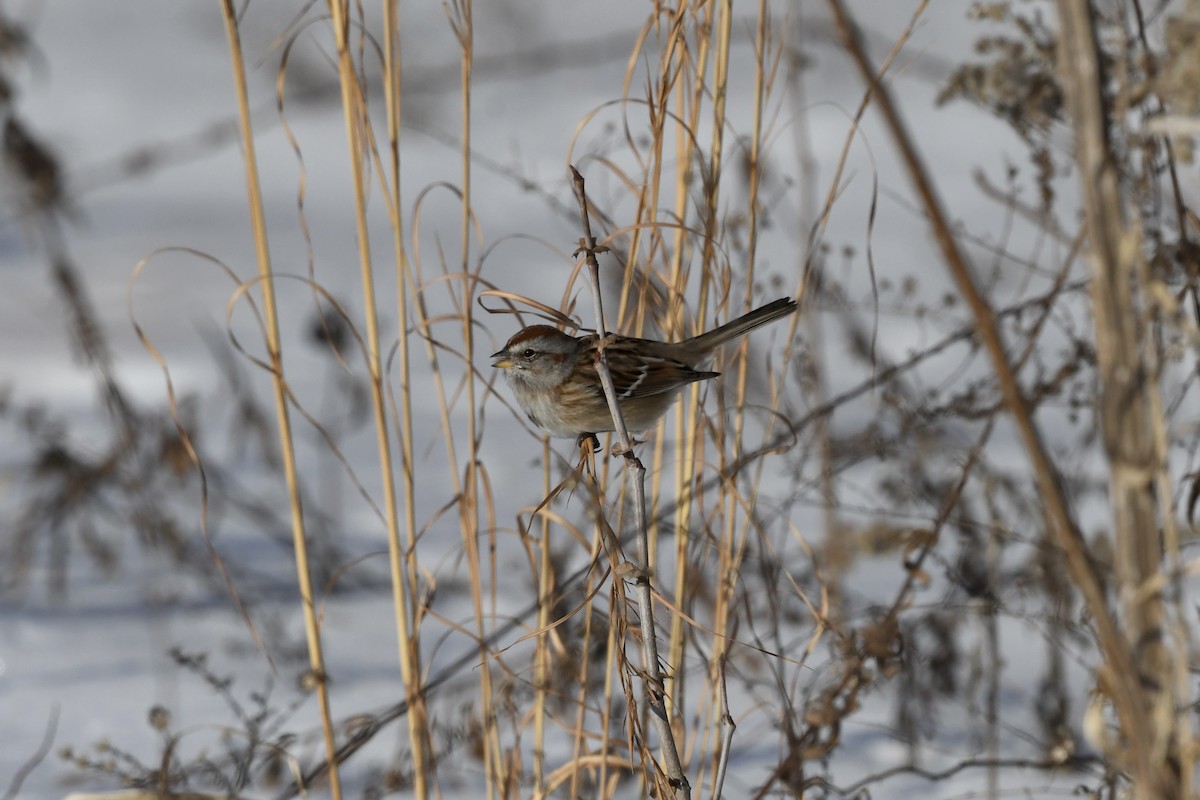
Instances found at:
x=529 y=353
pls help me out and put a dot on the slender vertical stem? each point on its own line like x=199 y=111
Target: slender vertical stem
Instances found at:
x=655 y=689
x=761 y=47
x=404 y=583
x=351 y=108
x=1125 y=389
x=720 y=87
x=461 y=13
x=541 y=655
x=316 y=658
x=994 y=660
x=687 y=443
x=726 y=572
x=728 y=726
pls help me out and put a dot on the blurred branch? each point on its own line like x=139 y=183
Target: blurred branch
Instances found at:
x=1119 y=676
x=39 y=755
x=1124 y=406
x=853 y=789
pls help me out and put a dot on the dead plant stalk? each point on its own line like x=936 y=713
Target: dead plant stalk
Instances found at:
x=404 y=581
x=275 y=354
x=1125 y=397
x=655 y=690
x=460 y=14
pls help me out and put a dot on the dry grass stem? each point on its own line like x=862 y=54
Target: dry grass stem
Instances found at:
x=299 y=539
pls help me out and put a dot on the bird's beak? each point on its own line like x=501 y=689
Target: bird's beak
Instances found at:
x=501 y=360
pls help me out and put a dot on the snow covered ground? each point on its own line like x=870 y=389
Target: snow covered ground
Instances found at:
x=108 y=79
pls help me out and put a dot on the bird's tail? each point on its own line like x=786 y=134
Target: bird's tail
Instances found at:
x=744 y=324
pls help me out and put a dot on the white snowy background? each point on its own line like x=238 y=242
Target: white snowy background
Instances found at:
x=111 y=78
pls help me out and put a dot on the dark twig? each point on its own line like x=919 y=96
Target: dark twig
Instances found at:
x=941 y=775
x=728 y=726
